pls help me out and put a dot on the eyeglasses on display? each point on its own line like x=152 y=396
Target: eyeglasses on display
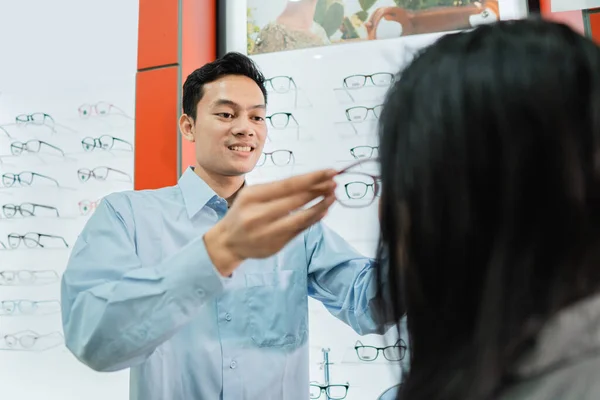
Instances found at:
x=26 y=209
x=33 y=240
x=362 y=152
x=356 y=188
x=101 y=109
x=279 y=158
x=38 y=118
x=390 y=353
x=358 y=81
x=281 y=83
x=99 y=173
x=28 y=307
x=32 y=146
x=104 y=142
x=24 y=277
x=5 y=132
x=31 y=341
x=332 y=391
x=87 y=206
x=360 y=113
x=281 y=120
x=25 y=178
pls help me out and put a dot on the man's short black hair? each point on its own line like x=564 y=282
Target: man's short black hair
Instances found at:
x=232 y=63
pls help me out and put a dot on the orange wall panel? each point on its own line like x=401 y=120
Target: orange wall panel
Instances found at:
x=594 y=24
x=156 y=130
x=198 y=47
x=158 y=33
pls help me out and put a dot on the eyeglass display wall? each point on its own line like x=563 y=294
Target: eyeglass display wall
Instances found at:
x=67 y=92
x=324 y=102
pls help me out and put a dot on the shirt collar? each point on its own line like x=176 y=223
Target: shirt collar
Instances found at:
x=196 y=193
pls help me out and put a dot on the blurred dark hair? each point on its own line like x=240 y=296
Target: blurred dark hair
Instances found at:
x=489 y=150
x=232 y=63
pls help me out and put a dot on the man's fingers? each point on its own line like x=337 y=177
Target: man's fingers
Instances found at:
x=278 y=208
x=289 y=186
x=293 y=224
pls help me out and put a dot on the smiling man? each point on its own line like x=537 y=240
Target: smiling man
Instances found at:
x=201 y=288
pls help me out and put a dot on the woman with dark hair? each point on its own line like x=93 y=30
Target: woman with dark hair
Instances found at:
x=490 y=211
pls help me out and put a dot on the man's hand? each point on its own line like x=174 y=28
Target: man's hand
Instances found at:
x=264 y=218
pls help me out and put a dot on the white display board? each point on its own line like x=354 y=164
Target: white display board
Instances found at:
x=571 y=5
x=319 y=87
x=67 y=98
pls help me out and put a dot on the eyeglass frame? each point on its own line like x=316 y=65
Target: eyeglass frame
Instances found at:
x=23 y=238
x=30 y=120
x=265 y=155
x=292 y=82
x=19 y=208
x=400 y=343
x=372 y=148
x=98 y=140
x=17 y=305
x=94 y=107
x=16 y=177
x=24 y=147
x=91 y=173
x=323 y=389
x=34 y=275
x=376 y=179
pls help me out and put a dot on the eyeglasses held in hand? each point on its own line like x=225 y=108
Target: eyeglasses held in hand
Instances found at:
x=99 y=173
x=355 y=187
x=33 y=240
x=32 y=146
x=25 y=209
x=24 y=178
x=279 y=158
x=390 y=353
x=333 y=392
x=104 y=142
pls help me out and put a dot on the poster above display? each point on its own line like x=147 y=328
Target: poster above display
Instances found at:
x=571 y=5
x=296 y=24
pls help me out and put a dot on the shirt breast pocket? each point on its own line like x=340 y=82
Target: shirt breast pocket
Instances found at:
x=277 y=308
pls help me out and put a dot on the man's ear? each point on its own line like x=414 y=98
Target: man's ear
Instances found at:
x=186 y=126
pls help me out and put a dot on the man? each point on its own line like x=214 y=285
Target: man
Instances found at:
x=201 y=288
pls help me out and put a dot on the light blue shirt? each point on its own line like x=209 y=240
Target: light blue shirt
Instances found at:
x=140 y=292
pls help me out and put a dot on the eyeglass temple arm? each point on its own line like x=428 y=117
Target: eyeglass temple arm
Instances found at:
x=47 y=177
x=120 y=172
x=54 y=147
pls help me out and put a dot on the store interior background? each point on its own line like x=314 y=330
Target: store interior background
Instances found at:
x=78 y=64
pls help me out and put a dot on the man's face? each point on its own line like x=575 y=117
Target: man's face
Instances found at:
x=230 y=129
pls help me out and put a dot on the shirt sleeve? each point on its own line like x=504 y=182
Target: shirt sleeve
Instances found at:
x=342 y=279
x=116 y=310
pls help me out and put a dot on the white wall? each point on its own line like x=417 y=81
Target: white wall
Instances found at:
x=55 y=56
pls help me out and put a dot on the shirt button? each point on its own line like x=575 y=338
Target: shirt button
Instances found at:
x=200 y=293
x=233 y=365
x=228 y=317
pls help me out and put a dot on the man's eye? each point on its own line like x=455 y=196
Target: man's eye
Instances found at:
x=258 y=118
x=225 y=115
